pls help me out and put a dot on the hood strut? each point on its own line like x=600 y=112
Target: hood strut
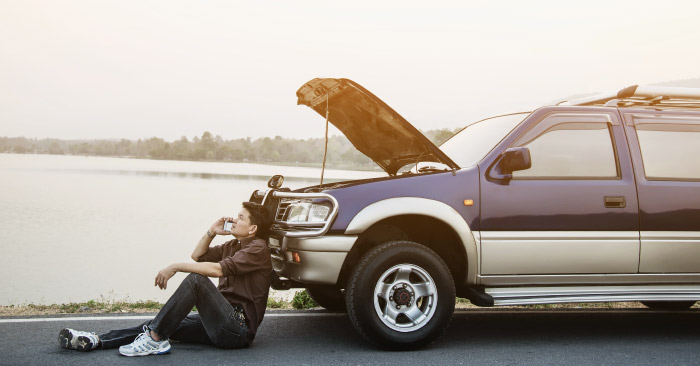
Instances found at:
x=325 y=147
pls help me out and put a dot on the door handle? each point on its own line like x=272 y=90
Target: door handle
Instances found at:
x=615 y=202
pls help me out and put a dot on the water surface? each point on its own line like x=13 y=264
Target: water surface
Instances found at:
x=77 y=228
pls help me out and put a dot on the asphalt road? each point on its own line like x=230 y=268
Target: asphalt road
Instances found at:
x=475 y=337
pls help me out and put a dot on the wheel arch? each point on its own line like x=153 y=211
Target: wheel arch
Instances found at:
x=428 y=222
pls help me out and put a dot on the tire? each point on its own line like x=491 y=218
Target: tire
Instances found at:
x=328 y=297
x=400 y=296
x=668 y=305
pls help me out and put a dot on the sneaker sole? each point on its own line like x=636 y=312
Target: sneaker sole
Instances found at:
x=84 y=344
x=145 y=354
x=65 y=339
x=81 y=343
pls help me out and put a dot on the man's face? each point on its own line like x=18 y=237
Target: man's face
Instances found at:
x=242 y=228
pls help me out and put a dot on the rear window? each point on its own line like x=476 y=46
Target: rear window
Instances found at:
x=670 y=146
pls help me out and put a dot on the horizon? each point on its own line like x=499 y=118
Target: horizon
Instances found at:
x=191 y=138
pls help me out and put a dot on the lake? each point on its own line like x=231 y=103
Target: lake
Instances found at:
x=78 y=228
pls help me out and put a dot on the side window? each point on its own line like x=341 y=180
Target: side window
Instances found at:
x=670 y=146
x=569 y=146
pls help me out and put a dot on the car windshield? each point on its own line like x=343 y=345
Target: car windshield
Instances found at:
x=471 y=144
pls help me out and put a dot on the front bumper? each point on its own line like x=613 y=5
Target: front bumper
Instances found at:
x=316 y=260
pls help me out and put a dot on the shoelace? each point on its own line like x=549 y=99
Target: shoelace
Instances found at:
x=143 y=337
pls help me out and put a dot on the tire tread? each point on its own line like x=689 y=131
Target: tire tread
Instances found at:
x=354 y=281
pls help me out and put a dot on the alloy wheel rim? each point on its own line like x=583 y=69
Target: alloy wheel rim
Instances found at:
x=405 y=297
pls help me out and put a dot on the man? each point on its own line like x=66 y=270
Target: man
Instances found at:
x=228 y=316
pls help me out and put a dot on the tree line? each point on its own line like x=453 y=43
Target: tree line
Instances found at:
x=280 y=150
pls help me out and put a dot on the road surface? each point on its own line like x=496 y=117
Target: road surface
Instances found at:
x=475 y=337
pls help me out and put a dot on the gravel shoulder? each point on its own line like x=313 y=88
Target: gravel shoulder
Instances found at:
x=139 y=308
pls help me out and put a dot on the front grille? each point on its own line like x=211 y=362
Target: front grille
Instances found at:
x=282 y=209
x=299 y=227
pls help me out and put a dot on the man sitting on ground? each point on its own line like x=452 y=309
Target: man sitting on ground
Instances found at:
x=228 y=317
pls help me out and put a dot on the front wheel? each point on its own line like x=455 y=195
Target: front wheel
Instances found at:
x=400 y=296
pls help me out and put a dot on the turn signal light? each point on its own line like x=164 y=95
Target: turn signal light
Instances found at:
x=295 y=257
x=468 y=202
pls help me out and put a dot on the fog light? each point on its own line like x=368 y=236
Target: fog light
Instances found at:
x=295 y=257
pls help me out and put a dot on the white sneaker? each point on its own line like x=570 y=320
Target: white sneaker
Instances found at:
x=75 y=339
x=144 y=345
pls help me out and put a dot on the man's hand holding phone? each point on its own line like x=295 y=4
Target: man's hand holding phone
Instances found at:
x=222 y=226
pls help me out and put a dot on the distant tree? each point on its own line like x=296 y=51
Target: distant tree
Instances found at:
x=20 y=149
x=341 y=153
x=124 y=148
x=180 y=149
x=55 y=148
x=198 y=154
x=207 y=142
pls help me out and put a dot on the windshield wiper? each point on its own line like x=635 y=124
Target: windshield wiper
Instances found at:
x=430 y=168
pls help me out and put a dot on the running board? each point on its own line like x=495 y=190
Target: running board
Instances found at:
x=550 y=295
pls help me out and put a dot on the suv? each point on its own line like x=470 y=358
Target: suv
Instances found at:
x=596 y=199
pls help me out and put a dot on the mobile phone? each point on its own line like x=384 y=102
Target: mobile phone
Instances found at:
x=228 y=225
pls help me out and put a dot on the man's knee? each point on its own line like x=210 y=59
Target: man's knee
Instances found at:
x=196 y=277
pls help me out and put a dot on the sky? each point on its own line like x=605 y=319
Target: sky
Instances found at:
x=95 y=69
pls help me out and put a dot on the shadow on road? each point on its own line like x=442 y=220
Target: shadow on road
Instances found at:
x=557 y=327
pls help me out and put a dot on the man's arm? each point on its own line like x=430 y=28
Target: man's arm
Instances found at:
x=203 y=246
x=209 y=269
x=217 y=228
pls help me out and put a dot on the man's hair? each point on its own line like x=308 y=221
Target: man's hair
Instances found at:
x=258 y=216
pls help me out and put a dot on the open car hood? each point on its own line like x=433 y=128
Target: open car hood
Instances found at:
x=372 y=127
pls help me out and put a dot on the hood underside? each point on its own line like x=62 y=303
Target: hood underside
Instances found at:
x=372 y=127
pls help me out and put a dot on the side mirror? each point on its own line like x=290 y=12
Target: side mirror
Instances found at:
x=516 y=158
x=513 y=159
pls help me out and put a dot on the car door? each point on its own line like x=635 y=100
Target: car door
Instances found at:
x=666 y=154
x=574 y=211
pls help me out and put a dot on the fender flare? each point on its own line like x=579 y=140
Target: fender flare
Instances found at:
x=398 y=206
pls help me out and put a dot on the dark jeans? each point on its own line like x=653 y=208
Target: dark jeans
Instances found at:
x=217 y=323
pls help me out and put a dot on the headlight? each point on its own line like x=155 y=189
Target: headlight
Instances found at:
x=307 y=212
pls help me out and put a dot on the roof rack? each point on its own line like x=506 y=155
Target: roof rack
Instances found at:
x=657 y=97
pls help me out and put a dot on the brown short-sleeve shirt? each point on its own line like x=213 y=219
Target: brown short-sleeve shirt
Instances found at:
x=247 y=272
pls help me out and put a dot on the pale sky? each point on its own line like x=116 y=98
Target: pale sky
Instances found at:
x=77 y=69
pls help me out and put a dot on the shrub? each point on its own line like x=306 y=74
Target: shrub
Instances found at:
x=302 y=300
x=273 y=303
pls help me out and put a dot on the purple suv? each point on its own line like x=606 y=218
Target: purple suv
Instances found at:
x=596 y=199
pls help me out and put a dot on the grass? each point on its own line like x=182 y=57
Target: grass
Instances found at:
x=88 y=307
x=301 y=300
x=108 y=304
x=273 y=303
